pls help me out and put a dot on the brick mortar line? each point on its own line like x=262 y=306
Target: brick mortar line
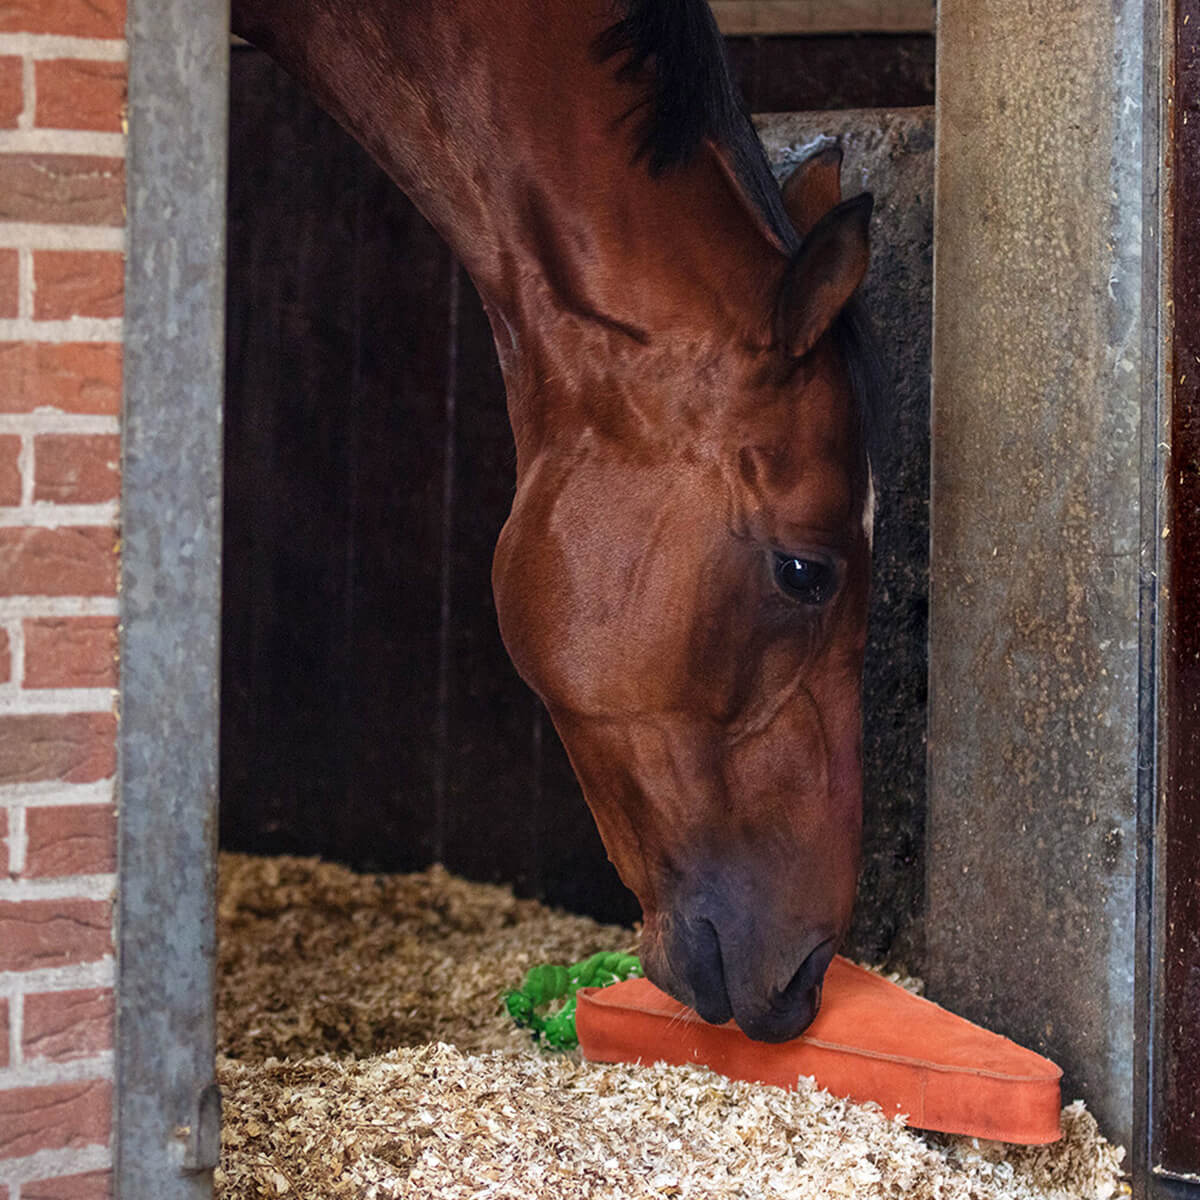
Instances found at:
x=41 y=1072
x=26 y=285
x=28 y=97
x=52 y=794
x=100 y=888
x=45 y=515
x=58 y=606
x=16 y=650
x=49 y=420
x=53 y=1164
x=52 y=45
x=25 y=467
x=75 y=978
x=45 y=140
x=15 y=628
x=22 y=234
x=24 y=702
x=18 y=841
x=75 y=329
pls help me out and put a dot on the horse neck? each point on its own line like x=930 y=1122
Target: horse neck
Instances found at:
x=520 y=148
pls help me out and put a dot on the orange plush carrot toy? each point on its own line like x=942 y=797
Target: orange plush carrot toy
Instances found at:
x=871 y=1040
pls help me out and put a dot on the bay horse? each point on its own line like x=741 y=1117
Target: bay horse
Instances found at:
x=684 y=575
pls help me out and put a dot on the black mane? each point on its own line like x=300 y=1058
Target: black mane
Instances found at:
x=692 y=97
x=854 y=335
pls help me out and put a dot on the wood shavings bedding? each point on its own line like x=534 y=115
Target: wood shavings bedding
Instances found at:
x=314 y=959
x=364 y=1055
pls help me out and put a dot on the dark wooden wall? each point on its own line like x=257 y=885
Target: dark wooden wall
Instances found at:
x=802 y=74
x=370 y=714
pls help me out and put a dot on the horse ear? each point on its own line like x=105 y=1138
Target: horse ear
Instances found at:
x=822 y=277
x=813 y=188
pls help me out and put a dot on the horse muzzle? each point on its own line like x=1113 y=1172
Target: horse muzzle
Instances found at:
x=768 y=982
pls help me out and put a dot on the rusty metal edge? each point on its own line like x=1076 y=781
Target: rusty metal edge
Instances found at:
x=167 y=1107
x=1152 y=1178
x=1153 y=585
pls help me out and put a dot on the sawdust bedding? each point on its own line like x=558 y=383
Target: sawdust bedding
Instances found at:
x=364 y=1054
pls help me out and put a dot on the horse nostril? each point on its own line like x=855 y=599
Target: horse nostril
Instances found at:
x=808 y=976
x=705 y=972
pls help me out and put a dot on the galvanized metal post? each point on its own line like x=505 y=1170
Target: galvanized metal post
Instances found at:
x=168 y=1108
x=1044 y=477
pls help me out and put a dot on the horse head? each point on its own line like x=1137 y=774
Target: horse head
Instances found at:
x=683 y=578
x=685 y=585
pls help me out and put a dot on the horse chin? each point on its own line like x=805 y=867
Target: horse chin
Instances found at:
x=773 y=1026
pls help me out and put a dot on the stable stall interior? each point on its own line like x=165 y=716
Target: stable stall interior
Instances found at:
x=370 y=717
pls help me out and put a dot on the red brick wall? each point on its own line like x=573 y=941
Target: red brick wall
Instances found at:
x=62 y=89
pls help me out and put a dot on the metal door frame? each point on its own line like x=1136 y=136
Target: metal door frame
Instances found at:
x=167 y=1109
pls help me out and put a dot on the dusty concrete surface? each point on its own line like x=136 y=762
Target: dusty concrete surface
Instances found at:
x=890 y=153
x=1039 y=394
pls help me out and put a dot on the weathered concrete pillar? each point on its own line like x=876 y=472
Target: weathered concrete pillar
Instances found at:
x=1045 y=379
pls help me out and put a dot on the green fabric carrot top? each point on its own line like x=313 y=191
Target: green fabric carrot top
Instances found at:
x=546 y=984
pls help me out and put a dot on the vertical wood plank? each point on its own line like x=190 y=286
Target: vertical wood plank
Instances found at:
x=490 y=711
x=386 y=817
x=1178 y=1077
x=793 y=74
x=291 y=330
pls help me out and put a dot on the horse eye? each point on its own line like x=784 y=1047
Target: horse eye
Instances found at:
x=808 y=580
